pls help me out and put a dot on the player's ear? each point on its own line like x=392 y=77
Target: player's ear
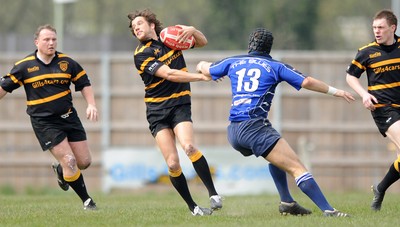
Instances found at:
x=393 y=27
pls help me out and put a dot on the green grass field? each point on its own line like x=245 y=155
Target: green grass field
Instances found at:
x=166 y=208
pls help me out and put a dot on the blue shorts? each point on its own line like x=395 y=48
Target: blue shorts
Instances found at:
x=253 y=137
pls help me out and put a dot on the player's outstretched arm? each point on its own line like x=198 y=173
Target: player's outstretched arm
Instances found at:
x=313 y=84
x=180 y=76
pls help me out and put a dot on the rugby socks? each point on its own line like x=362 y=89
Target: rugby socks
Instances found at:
x=78 y=184
x=203 y=171
x=279 y=177
x=179 y=182
x=391 y=176
x=308 y=185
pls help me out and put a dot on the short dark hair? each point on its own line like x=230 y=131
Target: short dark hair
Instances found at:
x=150 y=18
x=260 y=40
x=388 y=15
x=43 y=27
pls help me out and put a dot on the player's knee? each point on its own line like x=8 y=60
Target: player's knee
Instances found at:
x=85 y=163
x=69 y=161
x=173 y=165
x=189 y=149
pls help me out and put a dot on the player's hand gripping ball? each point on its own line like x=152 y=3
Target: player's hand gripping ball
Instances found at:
x=169 y=36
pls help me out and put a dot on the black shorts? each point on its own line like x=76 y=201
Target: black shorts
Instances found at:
x=51 y=131
x=168 y=117
x=384 y=117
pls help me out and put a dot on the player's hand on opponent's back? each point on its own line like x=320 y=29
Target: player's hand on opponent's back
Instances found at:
x=91 y=113
x=344 y=94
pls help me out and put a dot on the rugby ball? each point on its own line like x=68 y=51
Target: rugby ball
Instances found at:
x=169 y=36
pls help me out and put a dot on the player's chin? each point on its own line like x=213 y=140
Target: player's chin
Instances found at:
x=141 y=37
x=51 y=51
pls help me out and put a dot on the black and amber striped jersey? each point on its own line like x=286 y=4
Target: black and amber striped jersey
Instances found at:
x=382 y=66
x=47 y=86
x=160 y=93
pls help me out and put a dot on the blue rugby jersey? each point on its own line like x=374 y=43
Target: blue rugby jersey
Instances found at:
x=254 y=78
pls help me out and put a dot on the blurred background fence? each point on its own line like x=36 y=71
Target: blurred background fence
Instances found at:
x=338 y=141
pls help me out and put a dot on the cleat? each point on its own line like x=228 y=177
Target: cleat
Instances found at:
x=216 y=202
x=201 y=211
x=89 y=204
x=335 y=213
x=60 y=179
x=293 y=208
x=378 y=198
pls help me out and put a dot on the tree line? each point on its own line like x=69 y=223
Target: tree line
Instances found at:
x=296 y=25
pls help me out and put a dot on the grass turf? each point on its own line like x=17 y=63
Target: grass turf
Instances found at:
x=166 y=208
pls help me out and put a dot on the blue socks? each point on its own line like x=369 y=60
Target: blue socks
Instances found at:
x=308 y=185
x=280 y=180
